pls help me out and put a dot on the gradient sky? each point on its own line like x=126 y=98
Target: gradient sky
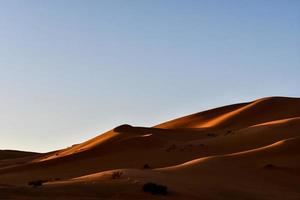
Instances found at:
x=70 y=70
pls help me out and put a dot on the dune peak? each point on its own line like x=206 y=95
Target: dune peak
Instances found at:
x=123 y=128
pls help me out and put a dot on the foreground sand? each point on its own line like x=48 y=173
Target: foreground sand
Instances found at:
x=243 y=151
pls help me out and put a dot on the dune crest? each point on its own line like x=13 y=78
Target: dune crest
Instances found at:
x=240 y=115
x=241 y=151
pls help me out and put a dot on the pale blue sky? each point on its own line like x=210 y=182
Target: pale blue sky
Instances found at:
x=71 y=69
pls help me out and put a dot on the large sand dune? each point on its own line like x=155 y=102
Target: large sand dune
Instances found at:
x=240 y=115
x=242 y=151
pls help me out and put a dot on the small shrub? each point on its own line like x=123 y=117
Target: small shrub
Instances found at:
x=155 y=189
x=211 y=135
x=116 y=175
x=228 y=132
x=171 y=148
x=269 y=166
x=36 y=183
x=146 y=166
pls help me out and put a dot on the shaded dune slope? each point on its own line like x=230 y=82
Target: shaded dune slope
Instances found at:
x=274 y=167
x=12 y=154
x=255 y=144
x=240 y=115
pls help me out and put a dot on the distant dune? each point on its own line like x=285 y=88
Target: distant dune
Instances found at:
x=241 y=151
x=11 y=154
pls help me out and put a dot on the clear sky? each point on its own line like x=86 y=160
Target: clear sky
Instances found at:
x=70 y=69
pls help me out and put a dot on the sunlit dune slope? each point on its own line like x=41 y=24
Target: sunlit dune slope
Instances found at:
x=123 y=147
x=133 y=147
x=269 y=172
x=251 y=137
x=229 y=152
x=283 y=154
x=240 y=115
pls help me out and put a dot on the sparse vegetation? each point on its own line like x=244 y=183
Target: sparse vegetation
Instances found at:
x=171 y=148
x=155 y=189
x=211 y=135
x=116 y=175
x=269 y=166
x=228 y=132
x=146 y=166
x=37 y=183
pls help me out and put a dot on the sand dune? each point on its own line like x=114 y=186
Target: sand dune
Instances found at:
x=242 y=151
x=240 y=115
x=9 y=158
x=11 y=154
x=275 y=167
